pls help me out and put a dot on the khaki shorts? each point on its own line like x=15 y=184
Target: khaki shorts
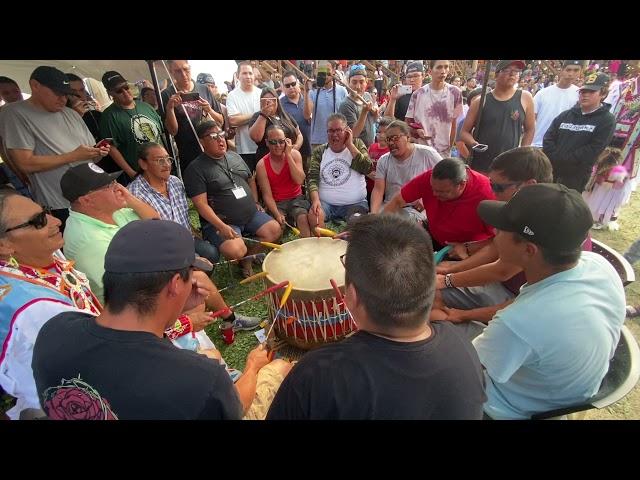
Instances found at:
x=269 y=380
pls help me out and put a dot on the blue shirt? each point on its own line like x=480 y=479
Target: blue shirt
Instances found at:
x=296 y=111
x=551 y=347
x=325 y=108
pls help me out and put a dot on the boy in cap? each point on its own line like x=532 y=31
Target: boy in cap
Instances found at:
x=544 y=352
x=119 y=365
x=398 y=104
x=578 y=136
x=507 y=119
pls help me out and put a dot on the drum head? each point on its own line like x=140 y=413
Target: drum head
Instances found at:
x=308 y=263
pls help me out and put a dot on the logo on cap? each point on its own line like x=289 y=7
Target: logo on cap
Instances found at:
x=591 y=78
x=528 y=231
x=95 y=167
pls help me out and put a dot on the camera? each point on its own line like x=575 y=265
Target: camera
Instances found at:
x=190 y=97
x=404 y=90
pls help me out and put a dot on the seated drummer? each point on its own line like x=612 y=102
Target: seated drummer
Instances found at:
x=337 y=170
x=398 y=365
x=120 y=365
x=450 y=193
x=280 y=176
x=224 y=192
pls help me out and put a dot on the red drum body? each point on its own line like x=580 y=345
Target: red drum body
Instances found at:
x=312 y=315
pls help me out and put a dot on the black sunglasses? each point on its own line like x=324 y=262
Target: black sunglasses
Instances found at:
x=292 y=84
x=38 y=221
x=280 y=141
x=122 y=89
x=501 y=187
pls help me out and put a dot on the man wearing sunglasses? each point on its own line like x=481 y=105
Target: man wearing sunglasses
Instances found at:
x=99 y=208
x=44 y=138
x=508 y=119
x=129 y=122
x=295 y=103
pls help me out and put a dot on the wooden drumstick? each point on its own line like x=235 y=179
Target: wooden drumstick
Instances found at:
x=325 y=232
x=246 y=280
x=283 y=300
x=219 y=313
x=265 y=244
x=350 y=90
x=248 y=257
x=295 y=231
x=341 y=299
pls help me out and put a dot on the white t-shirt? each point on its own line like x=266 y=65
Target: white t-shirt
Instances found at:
x=339 y=183
x=548 y=104
x=397 y=174
x=240 y=102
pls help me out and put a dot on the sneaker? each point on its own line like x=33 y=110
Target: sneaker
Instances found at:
x=633 y=312
x=613 y=226
x=597 y=226
x=245 y=323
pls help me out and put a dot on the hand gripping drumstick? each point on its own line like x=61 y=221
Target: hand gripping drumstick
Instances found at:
x=219 y=313
x=264 y=244
x=283 y=300
x=246 y=280
x=248 y=257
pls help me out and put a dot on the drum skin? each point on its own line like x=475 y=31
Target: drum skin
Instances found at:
x=312 y=316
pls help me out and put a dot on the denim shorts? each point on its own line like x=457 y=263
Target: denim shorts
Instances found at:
x=210 y=234
x=343 y=211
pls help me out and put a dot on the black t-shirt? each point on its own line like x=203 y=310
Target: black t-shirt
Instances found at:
x=187 y=141
x=217 y=178
x=262 y=149
x=84 y=371
x=402 y=105
x=367 y=377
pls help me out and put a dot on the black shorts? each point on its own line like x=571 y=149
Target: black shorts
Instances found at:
x=294 y=207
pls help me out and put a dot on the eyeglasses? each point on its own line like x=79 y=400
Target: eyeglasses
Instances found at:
x=331 y=131
x=122 y=89
x=511 y=71
x=342 y=259
x=279 y=141
x=394 y=138
x=38 y=221
x=162 y=160
x=289 y=85
x=217 y=135
x=501 y=187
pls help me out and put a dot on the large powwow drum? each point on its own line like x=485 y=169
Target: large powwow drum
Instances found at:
x=312 y=315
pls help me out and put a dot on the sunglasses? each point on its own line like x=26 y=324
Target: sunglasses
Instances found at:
x=289 y=85
x=331 y=131
x=122 y=89
x=501 y=187
x=393 y=138
x=280 y=141
x=217 y=135
x=38 y=221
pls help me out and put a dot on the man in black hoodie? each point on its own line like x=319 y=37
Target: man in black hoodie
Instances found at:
x=577 y=136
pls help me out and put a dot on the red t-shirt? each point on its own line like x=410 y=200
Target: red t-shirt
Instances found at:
x=375 y=152
x=282 y=185
x=455 y=220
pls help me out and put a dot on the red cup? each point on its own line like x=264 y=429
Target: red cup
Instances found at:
x=228 y=334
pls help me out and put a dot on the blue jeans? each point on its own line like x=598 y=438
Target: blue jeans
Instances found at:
x=206 y=250
x=258 y=220
x=343 y=211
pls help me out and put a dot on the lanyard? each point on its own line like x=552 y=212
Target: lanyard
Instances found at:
x=228 y=171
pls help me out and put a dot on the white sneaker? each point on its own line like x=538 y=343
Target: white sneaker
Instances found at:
x=597 y=226
x=613 y=226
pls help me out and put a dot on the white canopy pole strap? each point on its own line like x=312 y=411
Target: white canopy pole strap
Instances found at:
x=156 y=86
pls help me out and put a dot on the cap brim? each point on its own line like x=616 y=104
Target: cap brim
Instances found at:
x=593 y=88
x=64 y=91
x=491 y=213
x=202 y=264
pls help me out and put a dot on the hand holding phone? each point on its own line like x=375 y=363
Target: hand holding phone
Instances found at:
x=404 y=90
x=480 y=147
x=104 y=142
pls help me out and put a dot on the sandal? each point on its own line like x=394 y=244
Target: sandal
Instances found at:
x=632 y=311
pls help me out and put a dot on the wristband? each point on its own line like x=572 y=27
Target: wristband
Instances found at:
x=182 y=326
x=447 y=281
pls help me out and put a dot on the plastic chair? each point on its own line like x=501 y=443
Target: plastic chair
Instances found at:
x=623 y=374
x=621 y=264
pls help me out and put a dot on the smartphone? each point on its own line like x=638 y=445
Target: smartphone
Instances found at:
x=404 y=90
x=480 y=147
x=190 y=97
x=104 y=142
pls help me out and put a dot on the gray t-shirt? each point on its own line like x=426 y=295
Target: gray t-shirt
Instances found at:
x=25 y=127
x=397 y=174
x=351 y=110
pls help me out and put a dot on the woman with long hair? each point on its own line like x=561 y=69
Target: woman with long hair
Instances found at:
x=272 y=113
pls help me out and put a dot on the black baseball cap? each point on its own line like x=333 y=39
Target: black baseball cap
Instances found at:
x=547 y=214
x=205 y=78
x=568 y=63
x=53 y=78
x=595 y=81
x=145 y=246
x=112 y=79
x=502 y=64
x=82 y=179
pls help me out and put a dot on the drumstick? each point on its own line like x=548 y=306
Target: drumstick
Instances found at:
x=295 y=231
x=264 y=244
x=246 y=280
x=283 y=300
x=325 y=232
x=350 y=90
x=248 y=257
x=341 y=299
x=219 y=313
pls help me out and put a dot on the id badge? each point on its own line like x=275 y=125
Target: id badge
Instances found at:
x=239 y=192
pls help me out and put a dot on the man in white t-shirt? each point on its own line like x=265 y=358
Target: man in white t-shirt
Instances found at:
x=555 y=99
x=395 y=169
x=337 y=170
x=242 y=102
